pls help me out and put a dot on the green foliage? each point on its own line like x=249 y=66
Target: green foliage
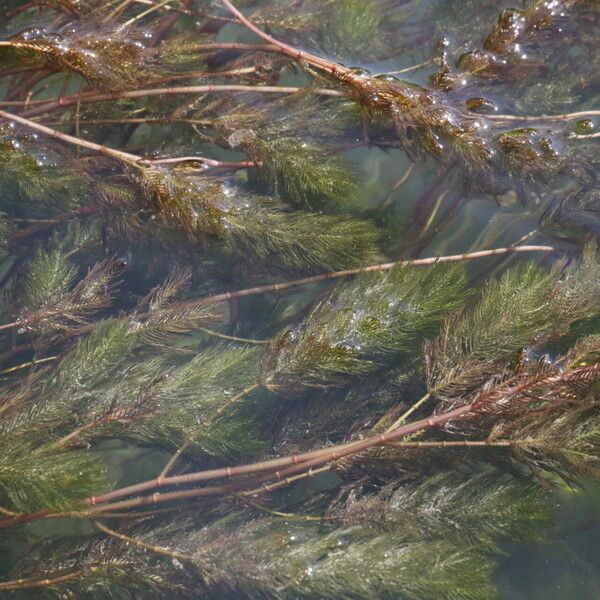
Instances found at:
x=105 y=571
x=478 y=508
x=49 y=275
x=91 y=366
x=36 y=475
x=35 y=179
x=93 y=373
x=109 y=58
x=48 y=300
x=526 y=307
x=362 y=326
x=352 y=28
x=192 y=394
x=303 y=173
x=5 y=231
x=257 y=226
x=300 y=238
x=162 y=314
x=303 y=562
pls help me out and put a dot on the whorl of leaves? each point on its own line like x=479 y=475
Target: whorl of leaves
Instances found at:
x=296 y=561
x=298 y=238
x=480 y=508
x=43 y=182
x=352 y=28
x=303 y=173
x=110 y=58
x=192 y=394
x=525 y=308
x=163 y=314
x=362 y=326
x=49 y=302
x=34 y=477
x=101 y=570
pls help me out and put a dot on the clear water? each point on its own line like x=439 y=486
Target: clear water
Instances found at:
x=419 y=220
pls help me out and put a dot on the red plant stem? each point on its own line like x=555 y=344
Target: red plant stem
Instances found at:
x=312 y=59
x=306 y=462
x=278 y=287
x=42 y=582
x=120 y=154
x=323 y=457
x=209 y=162
x=67 y=101
x=299 y=463
x=238 y=46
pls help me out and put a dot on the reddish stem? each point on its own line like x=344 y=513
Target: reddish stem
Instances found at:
x=299 y=463
x=68 y=101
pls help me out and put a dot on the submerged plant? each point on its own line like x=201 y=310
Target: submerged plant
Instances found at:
x=230 y=363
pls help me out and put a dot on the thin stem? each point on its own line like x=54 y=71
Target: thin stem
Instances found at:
x=144 y=13
x=264 y=489
x=408 y=69
x=9 y=325
x=141 y=544
x=9 y=513
x=237 y=46
x=409 y=412
x=209 y=162
x=138 y=121
x=70 y=139
x=559 y=117
x=461 y=444
x=194 y=436
x=131 y=159
x=87 y=427
x=208 y=74
x=276 y=513
x=37 y=582
x=44 y=106
x=584 y=136
x=312 y=59
x=31 y=363
x=233 y=338
x=178 y=9
x=118 y=11
x=278 y=287
x=388 y=199
x=84 y=211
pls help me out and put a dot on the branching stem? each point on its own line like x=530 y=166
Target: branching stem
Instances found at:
x=126 y=157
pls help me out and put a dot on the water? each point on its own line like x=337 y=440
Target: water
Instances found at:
x=420 y=208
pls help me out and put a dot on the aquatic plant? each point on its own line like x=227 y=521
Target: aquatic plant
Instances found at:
x=230 y=366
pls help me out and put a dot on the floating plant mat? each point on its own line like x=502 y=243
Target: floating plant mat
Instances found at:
x=300 y=298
